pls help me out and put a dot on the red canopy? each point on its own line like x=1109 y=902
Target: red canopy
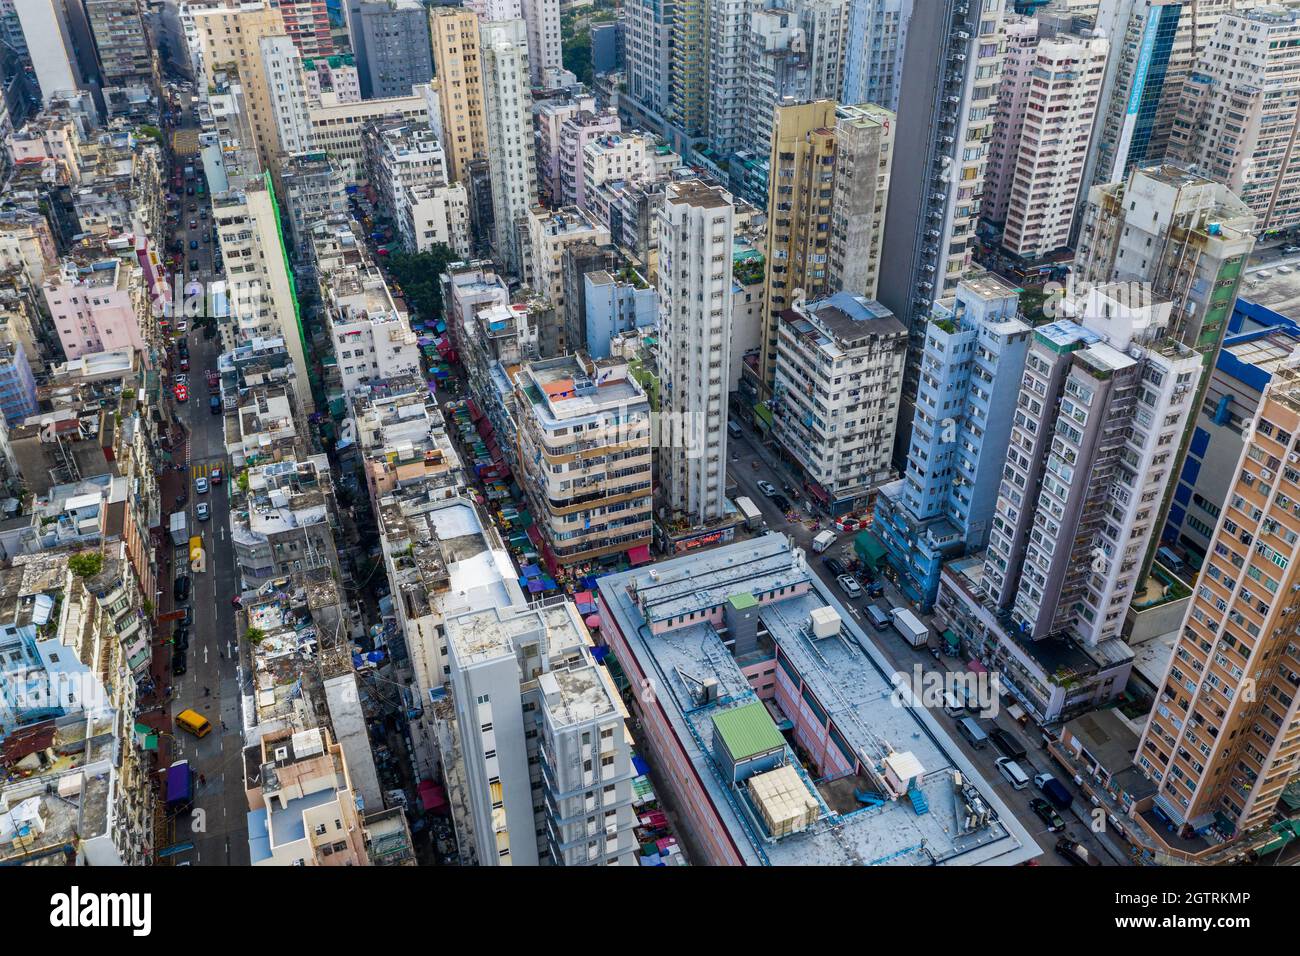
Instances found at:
x=639 y=555
x=433 y=796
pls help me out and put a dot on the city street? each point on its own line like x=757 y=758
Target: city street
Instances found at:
x=747 y=450
x=217 y=828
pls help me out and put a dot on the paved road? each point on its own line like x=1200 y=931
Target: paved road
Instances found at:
x=746 y=452
x=218 y=827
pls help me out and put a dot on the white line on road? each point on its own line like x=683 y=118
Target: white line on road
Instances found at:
x=205 y=653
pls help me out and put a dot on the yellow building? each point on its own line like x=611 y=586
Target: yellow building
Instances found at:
x=455 y=34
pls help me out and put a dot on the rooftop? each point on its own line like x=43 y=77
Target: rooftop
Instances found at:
x=852 y=684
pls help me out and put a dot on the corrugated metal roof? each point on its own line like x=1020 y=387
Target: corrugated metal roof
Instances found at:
x=747 y=731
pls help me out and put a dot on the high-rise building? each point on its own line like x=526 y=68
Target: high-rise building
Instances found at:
x=942 y=507
x=648 y=59
x=460 y=88
x=1154 y=45
x=45 y=27
x=728 y=77
x=308 y=24
x=1221 y=739
x=950 y=85
x=591 y=496
x=829 y=173
x=1238 y=117
x=122 y=43
x=232 y=38
x=688 y=76
x=287 y=92
x=390 y=41
x=537 y=757
x=864 y=153
x=507 y=103
x=1046 y=109
x=695 y=237
x=839 y=366
x=873 y=59
x=545 y=59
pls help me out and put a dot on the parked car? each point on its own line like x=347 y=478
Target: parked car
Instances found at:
x=781 y=501
x=767 y=488
x=194 y=223
x=181 y=638
x=214 y=404
x=185 y=365
x=1047 y=813
x=200 y=485
x=181 y=589
x=1075 y=854
x=835 y=566
x=183 y=379
x=178 y=663
x=194 y=265
x=1008 y=743
x=194 y=243
x=876 y=589
x=217 y=476
x=188 y=619
x=849 y=585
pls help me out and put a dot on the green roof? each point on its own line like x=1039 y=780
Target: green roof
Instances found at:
x=747 y=731
x=869 y=548
x=743 y=602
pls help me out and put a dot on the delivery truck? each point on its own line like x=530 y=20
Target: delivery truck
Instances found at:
x=910 y=626
x=823 y=541
x=180 y=787
x=753 y=517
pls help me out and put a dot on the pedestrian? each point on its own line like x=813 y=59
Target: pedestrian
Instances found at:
x=203 y=781
x=207 y=692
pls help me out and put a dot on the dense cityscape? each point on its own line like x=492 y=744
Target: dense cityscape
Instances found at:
x=661 y=433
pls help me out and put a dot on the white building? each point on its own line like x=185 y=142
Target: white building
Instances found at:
x=873 y=61
x=287 y=91
x=507 y=103
x=526 y=694
x=49 y=39
x=695 y=285
x=372 y=338
x=545 y=59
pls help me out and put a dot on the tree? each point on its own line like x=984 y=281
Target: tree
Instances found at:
x=254 y=635
x=86 y=564
x=417 y=274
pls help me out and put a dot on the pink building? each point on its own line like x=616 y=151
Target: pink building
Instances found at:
x=549 y=117
x=1046 y=106
x=582 y=128
x=96 y=307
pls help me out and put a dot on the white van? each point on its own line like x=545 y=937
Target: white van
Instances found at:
x=1011 y=770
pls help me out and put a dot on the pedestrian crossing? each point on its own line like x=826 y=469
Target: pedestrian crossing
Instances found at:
x=201 y=470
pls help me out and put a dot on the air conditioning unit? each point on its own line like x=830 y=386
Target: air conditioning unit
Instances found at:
x=1293 y=458
x=1266 y=474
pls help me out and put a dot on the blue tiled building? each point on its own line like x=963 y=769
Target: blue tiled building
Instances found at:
x=940 y=509
x=17 y=386
x=1257 y=341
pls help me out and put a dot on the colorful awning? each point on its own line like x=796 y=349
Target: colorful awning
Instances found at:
x=639 y=555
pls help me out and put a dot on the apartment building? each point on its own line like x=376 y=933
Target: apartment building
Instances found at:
x=688 y=75
x=695 y=286
x=1221 y=740
x=647 y=42
x=407 y=167
x=935 y=197
x=259 y=285
x=507 y=105
x=545 y=58
x=1047 y=105
x=943 y=505
x=231 y=39
x=287 y=94
x=725 y=36
x=839 y=364
x=584 y=443
x=331 y=79
x=45 y=27
x=1237 y=119
x=371 y=332
x=455 y=33
x=123 y=48
x=287 y=522
x=873 y=56
x=337 y=128
x=579 y=130
x=302 y=810
x=550 y=232
x=542 y=757
x=614 y=304
x=549 y=118
x=97 y=305
x=308 y=24
x=864 y=152
x=622 y=157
